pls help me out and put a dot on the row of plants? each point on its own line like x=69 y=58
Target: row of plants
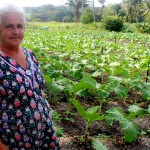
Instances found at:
x=97 y=65
x=74 y=55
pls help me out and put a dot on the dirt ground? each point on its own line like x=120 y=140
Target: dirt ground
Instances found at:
x=110 y=136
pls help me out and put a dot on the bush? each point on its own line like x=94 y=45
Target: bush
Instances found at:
x=113 y=24
x=129 y=28
x=37 y=20
x=144 y=27
x=87 y=16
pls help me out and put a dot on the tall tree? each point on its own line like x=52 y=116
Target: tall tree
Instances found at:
x=93 y=12
x=146 y=9
x=83 y=3
x=102 y=2
x=77 y=5
x=91 y=3
x=133 y=8
x=117 y=8
x=136 y=6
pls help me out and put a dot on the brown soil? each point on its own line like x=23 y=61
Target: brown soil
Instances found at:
x=111 y=136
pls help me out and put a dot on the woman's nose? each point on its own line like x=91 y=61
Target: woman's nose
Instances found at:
x=15 y=30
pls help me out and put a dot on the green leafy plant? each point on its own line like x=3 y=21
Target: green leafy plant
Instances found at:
x=87 y=82
x=128 y=126
x=143 y=27
x=90 y=115
x=57 y=118
x=98 y=145
x=59 y=131
x=87 y=16
x=136 y=111
x=69 y=115
x=113 y=24
x=116 y=86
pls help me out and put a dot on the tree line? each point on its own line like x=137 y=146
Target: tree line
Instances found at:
x=85 y=11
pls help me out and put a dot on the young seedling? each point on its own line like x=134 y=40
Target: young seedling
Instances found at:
x=90 y=115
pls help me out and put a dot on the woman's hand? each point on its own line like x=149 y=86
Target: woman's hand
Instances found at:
x=3 y=146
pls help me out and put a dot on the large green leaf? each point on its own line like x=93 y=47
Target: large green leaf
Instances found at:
x=80 y=87
x=122 y=72
x=55 y=87
x=146 y=91
x=54 y=73
x=131 y=130
x=59 y=131
x=121 y=91
x=93 y=117
x=90 y=81
x=90 y=114
x=86 y=82
x=102 y=93
x=98 y=145
x=98 y=73
x=114 y=114
x=79 y=108
x=135 y=110
x=92 y=110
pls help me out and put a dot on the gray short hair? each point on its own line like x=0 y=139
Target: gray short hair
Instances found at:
x=11 y=8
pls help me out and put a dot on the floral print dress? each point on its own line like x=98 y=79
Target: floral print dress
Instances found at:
x=25 y=117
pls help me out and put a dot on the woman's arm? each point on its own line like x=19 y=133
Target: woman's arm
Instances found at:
x=3 y=146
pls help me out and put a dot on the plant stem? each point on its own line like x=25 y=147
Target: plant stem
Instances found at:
x=100 y=109
x=86 y=131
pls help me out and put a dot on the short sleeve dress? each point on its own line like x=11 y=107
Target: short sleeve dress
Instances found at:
x=25 y=117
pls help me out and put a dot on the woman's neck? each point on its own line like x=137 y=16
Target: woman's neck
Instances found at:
x=10 y=51
x=16 y=54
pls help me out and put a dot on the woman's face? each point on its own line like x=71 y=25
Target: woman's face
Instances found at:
x=12 y=30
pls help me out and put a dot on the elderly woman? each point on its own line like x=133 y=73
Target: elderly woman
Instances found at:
x=25 y=118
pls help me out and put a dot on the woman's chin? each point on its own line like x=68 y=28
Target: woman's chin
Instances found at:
x=14 y=45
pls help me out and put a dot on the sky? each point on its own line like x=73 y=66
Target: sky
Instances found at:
x=34 y=3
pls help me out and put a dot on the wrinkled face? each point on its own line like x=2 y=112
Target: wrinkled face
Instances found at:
x=12 y=30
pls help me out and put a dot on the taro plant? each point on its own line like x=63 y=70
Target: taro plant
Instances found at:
x=60 y=85
x=128 y=126
x=136 y=84
x=53 y=87
x=76 y=71
x=135 y=110
x=88 y=85
x=116 y=85
x=90 y=115
x=146 y=91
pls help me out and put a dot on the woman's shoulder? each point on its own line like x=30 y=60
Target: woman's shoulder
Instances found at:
x=28 y=50
x=32 y=55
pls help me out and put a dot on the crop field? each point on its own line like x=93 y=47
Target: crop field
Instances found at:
x=103 y=76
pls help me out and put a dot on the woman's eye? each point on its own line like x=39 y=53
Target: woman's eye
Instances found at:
x=20 y=26
x=9 y=26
